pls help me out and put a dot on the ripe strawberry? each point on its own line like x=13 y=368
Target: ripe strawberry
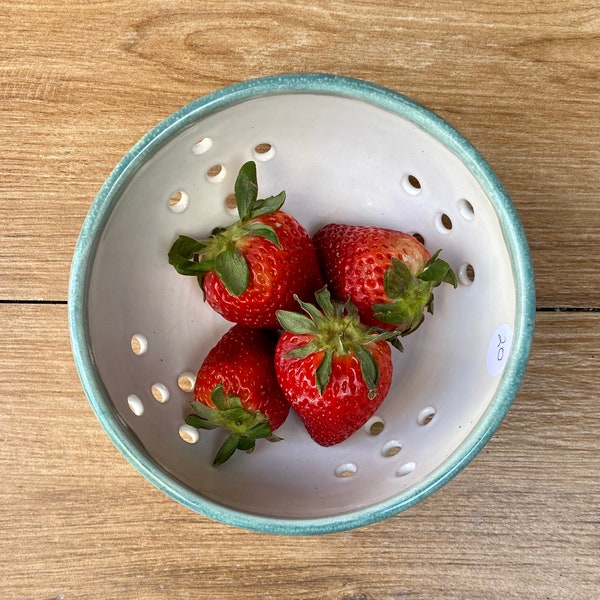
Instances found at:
x=334 y=371
x=389 y=275
x=236 y=388
x=254 y=267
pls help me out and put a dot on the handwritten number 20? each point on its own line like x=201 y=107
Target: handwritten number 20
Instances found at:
x=500 y=346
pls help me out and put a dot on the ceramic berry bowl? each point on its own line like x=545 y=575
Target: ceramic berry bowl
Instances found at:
x=344 y=151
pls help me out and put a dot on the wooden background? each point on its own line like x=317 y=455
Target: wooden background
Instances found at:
x=82 y=81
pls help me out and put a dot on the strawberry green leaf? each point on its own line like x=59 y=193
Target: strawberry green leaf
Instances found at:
x=382 y=334
x=267 y=206
x=199 y=423
x=407 y=313
x=246 y=189
x=187 y=246
x=200 y=410
x=349 y=309
x=262 y=230
x=227 y=449
x=260 y=430
x=183 y=254
x=312 y=311
x=397 y=344
x=236 y=415
x=410 y=295
x=430 y=304
x=415 y=325
x=306 y=350
x=323 y=298
x=246 y=444
x=232 y=269
x=323 y=372
x=218 y=397
x=397 y=280
x=369 y=369
x=244 y=424
x=438 y=271
x=295 y=322
x=234 y=402
x=190 y=267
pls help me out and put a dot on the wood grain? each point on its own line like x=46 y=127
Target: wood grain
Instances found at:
x=78 y=522
x=81 y=82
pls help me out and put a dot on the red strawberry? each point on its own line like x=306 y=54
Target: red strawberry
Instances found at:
x=388 y=275
x=236 y=388
x=334 y=371
x=254 y=267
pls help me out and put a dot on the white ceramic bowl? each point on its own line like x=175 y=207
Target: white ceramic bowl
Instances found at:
x=344 y=151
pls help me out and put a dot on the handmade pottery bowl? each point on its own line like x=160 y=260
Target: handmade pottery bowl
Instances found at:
x=344 y=150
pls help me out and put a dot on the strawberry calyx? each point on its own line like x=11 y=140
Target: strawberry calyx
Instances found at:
x=334 y=329
x=245 y=426
x=222 y=251
x=411 y=294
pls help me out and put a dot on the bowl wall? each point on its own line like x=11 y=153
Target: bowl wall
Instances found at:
x=344 y=151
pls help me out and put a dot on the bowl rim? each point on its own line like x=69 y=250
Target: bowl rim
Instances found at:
x=314 y=83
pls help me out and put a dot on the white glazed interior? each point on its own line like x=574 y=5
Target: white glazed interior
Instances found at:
x=339 y=160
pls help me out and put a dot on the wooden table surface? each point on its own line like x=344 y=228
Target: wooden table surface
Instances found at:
x=82 y=81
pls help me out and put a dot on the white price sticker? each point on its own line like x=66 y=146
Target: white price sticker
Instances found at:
x=499 y=349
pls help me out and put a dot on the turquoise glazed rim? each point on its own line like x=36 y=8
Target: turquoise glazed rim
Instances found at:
x=124 y=439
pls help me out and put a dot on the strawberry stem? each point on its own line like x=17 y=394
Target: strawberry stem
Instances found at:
x=245 y=426
x=334 y=329
x=222 y=250
x=411 y=294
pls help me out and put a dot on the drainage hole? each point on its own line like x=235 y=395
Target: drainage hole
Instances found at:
x=216 y=173
x=135 y=405
x=426 y=415
x=186 y=381
x=160 y=392
x=139 y=344
x=264 y=151
x=178 y=201
x=406 y=469
x=202 y=145
x=443 y=223
x=374 y=426
x=231 y=204
x=189 y=434
x=391 y=448
x=411 y=185
x=466 y=209
x=466 y=274
x=346 y=470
